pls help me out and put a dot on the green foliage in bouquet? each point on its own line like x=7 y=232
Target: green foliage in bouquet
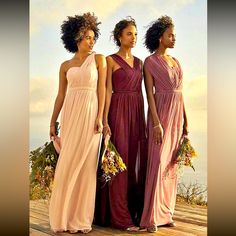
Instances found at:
x=43 y=162
x=112 y=163
x=185 y=154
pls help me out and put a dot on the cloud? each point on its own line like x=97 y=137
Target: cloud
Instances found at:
x=42 y=96
x=195 y=93
x=197 y=120
x=155 y=8
x=195 y=98
x=54 y=12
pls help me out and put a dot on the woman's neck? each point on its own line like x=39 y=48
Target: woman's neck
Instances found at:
x=125 y=52
x=81 y=54
x=162 y=51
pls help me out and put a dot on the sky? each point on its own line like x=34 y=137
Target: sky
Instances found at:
x=47 y=53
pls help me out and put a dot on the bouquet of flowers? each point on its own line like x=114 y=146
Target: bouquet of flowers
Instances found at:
x=111 y=161
x=43 y=161
x=185 y=153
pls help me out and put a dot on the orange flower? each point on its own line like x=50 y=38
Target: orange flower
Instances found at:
x=185 y=153
x=111 y=163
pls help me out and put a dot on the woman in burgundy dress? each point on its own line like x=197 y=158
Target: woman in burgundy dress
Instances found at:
x=167 y=122
x=119 y=204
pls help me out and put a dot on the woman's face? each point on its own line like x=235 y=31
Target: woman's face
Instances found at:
x=128 y=36
x=168 y=38
x=88 y=41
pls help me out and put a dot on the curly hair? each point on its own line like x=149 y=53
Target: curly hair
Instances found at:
x=74 y=28
x=155 y=31
x=120 y=26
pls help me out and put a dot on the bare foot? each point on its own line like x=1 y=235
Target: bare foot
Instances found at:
x=85 y=231
x=171 y=224
x=152 y=229
x=142 y=229
x=73 y=231
x=133 y=229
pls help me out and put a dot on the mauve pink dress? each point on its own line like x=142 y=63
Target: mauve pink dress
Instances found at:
x=161 y=179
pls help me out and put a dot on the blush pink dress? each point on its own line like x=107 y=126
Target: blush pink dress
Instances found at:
x=73 y=195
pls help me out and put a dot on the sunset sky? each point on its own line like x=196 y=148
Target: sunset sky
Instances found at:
x=47 y=53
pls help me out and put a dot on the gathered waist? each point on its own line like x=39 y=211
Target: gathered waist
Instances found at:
x=168 y=91
x=82 y=88
x=126 y=92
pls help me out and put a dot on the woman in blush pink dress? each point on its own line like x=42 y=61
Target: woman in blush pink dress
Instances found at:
x=81 y=96
x=167 y=123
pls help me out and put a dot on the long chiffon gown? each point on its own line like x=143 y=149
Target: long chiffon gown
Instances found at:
x=73 y=196
x=161 y=179
x=120 y=203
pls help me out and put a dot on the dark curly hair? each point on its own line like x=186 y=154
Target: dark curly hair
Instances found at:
x=155 y=31
x=120 y=26
x=74 y=28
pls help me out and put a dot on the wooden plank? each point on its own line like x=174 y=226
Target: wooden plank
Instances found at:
x=42 y=229
x=190 y=216
x=39 y=215
x=186 y=228
x=190 y=221
x=39 y=204
x=190 y=213
x=34 y=232
x=38 y=221
x=189 y=206
x=97 y=231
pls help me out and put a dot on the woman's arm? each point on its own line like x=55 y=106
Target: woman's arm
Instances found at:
x=106 y=129
x=185 y=125
x=101 y=89
x=157 y=128
x=148 y=80
x=59 y=99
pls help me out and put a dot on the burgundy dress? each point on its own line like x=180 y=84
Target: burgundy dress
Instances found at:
x=120 y=203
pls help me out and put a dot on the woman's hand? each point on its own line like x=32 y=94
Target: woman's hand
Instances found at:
x=158 y=134
x=185 y=130
x=98 y=126
x=185 y=125
x=106 y=130
x=52 y=132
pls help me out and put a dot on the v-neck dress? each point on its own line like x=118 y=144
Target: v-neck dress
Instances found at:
x=161 y=180
x=120 y=203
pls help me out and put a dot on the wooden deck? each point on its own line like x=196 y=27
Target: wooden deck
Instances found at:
x=190 y=220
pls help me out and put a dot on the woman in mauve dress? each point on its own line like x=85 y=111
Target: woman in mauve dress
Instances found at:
x=81 y=96
x=167 y=123
x=119 y=203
